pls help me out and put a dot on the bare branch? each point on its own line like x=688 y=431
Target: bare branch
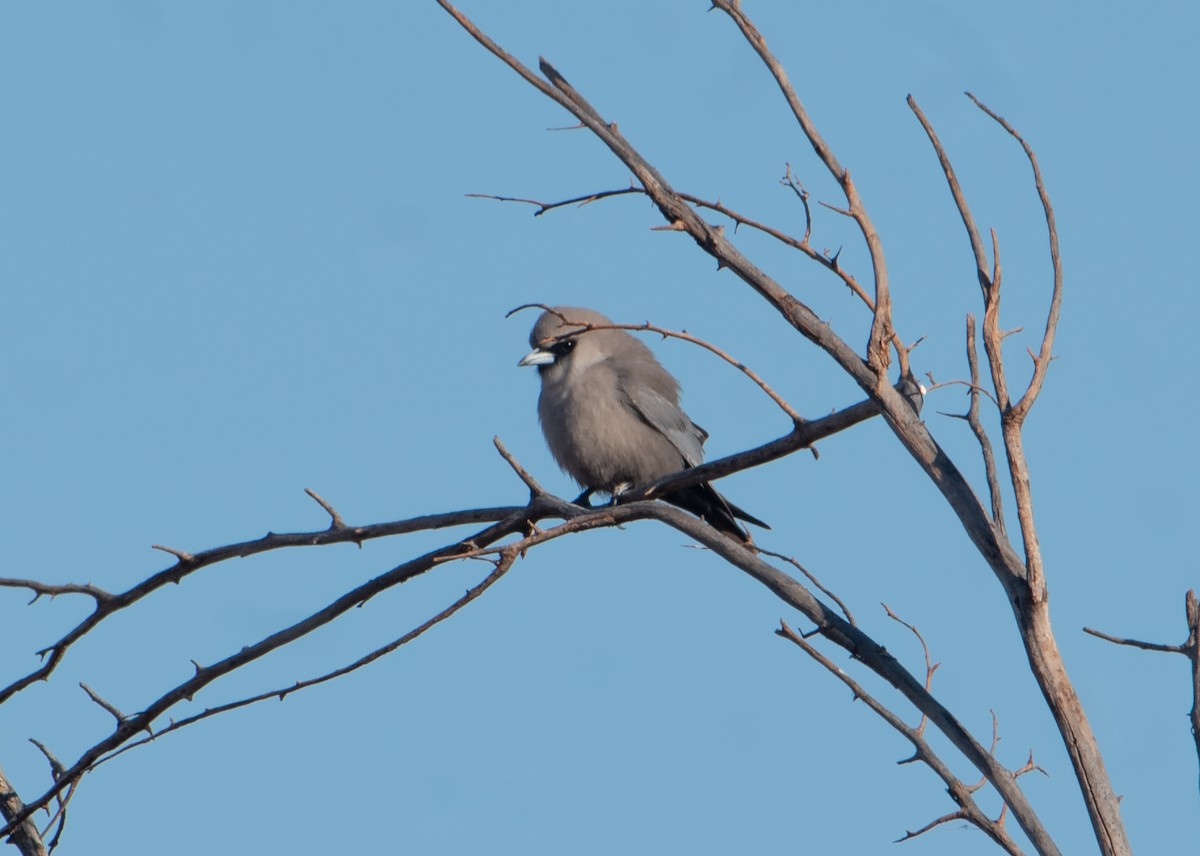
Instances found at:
x=508 y=556
x=945 y=818
x=969 y=810
x=535 y=489
x=577 y=519
x=981 y=435
x=109 y=604
x=94 y=696
x=971 y=387
x=1135 y=643
x=1041 y=362
x=882 y=330
x=56 y=767
x=1028 y=592
x=793 y=183
x=802 y=436
x=1029 y=767
x=989 y=276
x=130 y=726
x=39 y=588
x=791 y=560
x=183 y=556
x=960 y=199
x=335 y=519
x=543 y=207
x=828 y=262
x=930 y=666
x=872 y=655
x=1192 y=605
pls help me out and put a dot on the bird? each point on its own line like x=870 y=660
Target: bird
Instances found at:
x=611 y=417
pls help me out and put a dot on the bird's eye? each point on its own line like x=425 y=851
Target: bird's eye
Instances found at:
x=562 y=348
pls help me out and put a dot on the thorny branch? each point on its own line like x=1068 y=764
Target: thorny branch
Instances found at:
x=801 y=437
x=969 y=810
x=187 y=564
x=803 y=245
x=508 y=555
x=506 y=521
x=576 y=519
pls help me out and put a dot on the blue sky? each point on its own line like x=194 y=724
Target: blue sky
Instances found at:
x=239 y=261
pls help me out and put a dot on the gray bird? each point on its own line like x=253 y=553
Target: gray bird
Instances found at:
x=611 y=415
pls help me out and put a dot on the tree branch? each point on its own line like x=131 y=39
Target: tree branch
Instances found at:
x=21 y=829
x=882 y=329
x=1041 y=362
x=502 y=565
x=109 y=604
x=961 y=795
x=981 y=435
x=802 y=245
x=1027 y=591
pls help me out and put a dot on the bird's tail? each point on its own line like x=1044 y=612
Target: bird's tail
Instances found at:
x=703 y=501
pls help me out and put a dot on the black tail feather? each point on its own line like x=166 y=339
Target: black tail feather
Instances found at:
x=703 y=501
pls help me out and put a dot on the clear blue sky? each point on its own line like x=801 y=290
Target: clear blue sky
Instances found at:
x=238 y=260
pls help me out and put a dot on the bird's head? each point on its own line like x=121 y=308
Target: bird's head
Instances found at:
x=563 y=341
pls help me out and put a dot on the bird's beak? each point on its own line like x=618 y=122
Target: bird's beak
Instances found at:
x=536 y=357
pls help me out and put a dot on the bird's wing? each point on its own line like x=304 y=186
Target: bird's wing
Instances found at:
x=668 y=419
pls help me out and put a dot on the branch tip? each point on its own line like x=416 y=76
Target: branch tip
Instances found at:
x=184 y=557
x=335 y=520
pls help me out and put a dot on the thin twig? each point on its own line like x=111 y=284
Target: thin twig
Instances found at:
x=981 y=435
x=647 y=327
x=1136 y=643
x=930 y=666
x=802 y=245
x=971 y=387
x=535 y=489
x=95 y=696
x=791 y=560
x=543 y=207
